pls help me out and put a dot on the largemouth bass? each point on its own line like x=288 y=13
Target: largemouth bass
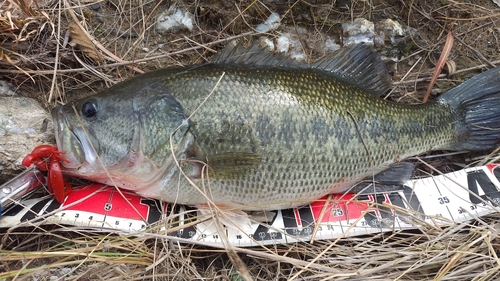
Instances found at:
x=255 y=131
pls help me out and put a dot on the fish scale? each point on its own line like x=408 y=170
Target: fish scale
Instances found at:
x=291 y=129
x=255 y=136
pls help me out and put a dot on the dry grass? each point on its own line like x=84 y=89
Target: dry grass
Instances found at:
x=37 y=57
x=463 y=251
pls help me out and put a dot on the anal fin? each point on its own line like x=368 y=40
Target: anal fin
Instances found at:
x=391 y=179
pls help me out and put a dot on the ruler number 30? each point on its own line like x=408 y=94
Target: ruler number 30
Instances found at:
x=443 y=200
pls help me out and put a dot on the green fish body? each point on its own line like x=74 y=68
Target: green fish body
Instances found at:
x=260 y=132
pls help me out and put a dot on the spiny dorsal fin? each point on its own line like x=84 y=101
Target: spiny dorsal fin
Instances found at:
x=358 y=65
x=254 y=55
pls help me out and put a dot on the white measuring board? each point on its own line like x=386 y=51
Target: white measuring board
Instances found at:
x=434 y=201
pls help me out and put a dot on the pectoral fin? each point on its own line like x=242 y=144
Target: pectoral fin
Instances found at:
x=224 y=166
x=231 y=218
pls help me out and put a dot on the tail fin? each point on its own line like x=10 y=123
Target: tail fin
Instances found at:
x=478 y=101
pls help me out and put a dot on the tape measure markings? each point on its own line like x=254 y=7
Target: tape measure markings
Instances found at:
x=458 y=196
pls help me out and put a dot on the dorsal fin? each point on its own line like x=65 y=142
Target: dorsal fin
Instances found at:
x=254 y=55
x=358 y=65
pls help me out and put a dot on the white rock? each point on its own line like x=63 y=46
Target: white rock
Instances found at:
x=272 y=22
x=24 y=124
x=331 y=46
x=359 y=31
x=391 y=29
x=174 y=19
x=298 y=55
x=268 y=43
x=290 y=43
x=283 y=44
x=5 y=89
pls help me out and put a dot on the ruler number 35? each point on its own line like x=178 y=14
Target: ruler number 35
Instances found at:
x=443 y=200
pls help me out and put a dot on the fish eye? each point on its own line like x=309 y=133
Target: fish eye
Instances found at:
x=90 y=109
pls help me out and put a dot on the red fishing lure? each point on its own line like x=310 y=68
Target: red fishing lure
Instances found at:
x=47 y=158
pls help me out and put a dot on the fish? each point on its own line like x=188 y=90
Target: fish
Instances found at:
x=254 y=130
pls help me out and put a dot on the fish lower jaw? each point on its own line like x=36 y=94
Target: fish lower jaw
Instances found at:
x=105 y=178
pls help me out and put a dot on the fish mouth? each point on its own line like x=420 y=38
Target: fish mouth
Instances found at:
x=74 y=141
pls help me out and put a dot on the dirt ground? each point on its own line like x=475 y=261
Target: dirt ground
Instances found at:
x=128 y=42
x=61 y=50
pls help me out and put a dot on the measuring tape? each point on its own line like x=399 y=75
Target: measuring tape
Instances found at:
x=434 y=201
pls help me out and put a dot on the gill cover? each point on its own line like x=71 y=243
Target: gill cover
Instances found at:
x=120 y=123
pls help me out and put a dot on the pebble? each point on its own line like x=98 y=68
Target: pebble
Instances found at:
x=359 y=31
x=5 y=89
x=272 y=22
x=174 y=19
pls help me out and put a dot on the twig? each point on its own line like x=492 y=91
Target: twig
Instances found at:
x=476 y=52
x=56 y=59
x=440 y=76
x=95 y=42
x=440 y=64
x=124 y=63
